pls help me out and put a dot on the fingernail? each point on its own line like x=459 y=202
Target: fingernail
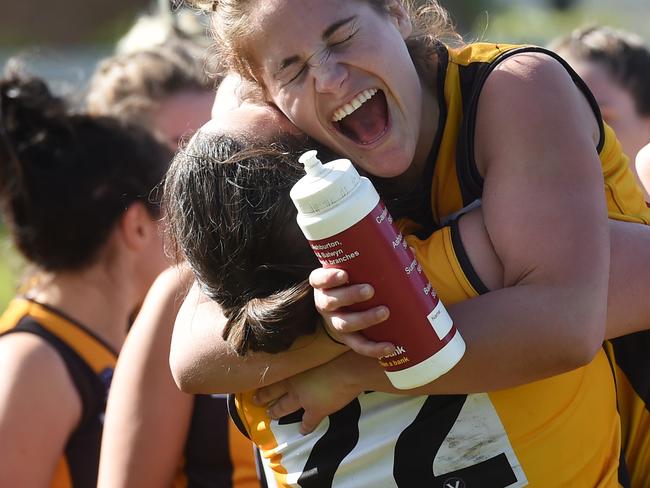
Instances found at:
x=366 y=291
x=383 y=313
x=342 y=275
x=388 y=350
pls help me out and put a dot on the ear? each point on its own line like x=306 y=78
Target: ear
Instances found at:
x=137 y=227
x=400 y=15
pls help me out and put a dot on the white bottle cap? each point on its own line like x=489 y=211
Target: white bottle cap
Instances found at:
x=325 y=185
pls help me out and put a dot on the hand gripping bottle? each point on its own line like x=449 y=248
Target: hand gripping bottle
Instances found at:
x=349 y=228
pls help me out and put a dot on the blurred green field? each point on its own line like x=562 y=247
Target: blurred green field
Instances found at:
x=9 y=269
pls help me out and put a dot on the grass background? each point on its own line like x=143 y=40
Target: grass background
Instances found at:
x=10 y=269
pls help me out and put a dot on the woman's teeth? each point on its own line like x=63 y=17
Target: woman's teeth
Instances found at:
x=350 y=107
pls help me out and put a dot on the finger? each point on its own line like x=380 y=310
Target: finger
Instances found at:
x=347 y=322
x=309 y=422
x=332 y=299
x=365 y=347
x=328 y=278
x=270 y=393
x=283 y=406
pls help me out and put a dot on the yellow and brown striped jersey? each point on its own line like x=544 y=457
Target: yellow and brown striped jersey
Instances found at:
x=456 y=183
x=455 y=180
x=562 y=431
x=90 y=363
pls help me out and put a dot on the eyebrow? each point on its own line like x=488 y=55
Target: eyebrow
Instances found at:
x=327 y=33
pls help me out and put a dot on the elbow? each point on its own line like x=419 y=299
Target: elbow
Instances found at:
x=581 y=354
x=583 y=343
x=185 y=373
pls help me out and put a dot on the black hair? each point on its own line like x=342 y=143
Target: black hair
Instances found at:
x=66 y=178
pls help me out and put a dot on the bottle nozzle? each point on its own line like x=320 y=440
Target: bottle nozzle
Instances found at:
x=311 y=162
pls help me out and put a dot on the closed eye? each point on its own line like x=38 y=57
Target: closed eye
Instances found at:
x=346 y=40
x=298 y=74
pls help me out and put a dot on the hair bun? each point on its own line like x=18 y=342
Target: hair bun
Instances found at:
x=24 y=99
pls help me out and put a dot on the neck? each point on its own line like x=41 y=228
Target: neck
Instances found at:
x=429 y=121
x=93 y=298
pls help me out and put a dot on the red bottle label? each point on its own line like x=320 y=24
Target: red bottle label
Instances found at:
x=374 y=251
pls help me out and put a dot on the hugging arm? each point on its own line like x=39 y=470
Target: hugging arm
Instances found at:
x=324 y=390
x=203 y=362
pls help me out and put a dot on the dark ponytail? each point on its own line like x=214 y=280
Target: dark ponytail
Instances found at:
x=229 y=214
x=66 y=178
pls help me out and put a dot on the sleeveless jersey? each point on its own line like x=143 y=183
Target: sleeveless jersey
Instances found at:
x=563 y=431
x=90 y=363
x=216 y=454
x=456 y=182
x=455 y=179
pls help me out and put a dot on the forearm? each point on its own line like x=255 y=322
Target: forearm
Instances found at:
x=203 y=362
x=502 y=352
x=628 y=308
x=147 y=417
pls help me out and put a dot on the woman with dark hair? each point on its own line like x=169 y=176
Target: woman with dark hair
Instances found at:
x=78 y=195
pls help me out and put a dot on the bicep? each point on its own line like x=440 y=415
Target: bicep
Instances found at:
x=543 y=193
x=33 y=427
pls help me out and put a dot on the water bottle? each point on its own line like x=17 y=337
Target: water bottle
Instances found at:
x=349 y=227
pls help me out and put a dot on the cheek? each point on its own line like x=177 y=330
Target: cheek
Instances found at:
x=298 y=108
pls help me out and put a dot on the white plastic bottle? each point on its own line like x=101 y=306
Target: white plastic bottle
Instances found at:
x=349 y=228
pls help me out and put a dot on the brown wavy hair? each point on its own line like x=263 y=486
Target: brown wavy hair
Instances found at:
x=229 y=215
x=231 y=25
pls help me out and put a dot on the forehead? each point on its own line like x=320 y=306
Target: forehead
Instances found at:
x=281 y=25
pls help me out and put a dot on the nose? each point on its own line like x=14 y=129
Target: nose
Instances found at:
x=329 y=75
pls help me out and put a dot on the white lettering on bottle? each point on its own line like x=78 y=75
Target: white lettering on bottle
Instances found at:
x=381 y=217
x=397 y=241
x=327 y=245
x=409 y=269
x=398 y=350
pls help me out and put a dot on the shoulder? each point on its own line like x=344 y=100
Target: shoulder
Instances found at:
x=31 y=370
x=531 y=95
x=39 y=409
x=528 y=78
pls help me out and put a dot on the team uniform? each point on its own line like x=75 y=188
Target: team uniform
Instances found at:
x=216 y=454
x=90 y=363
x=631 y=360
x=456 y=183
x=562 y=431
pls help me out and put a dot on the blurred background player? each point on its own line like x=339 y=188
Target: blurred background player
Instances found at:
x=615 y=64
x=76 y=193
x=154 y=434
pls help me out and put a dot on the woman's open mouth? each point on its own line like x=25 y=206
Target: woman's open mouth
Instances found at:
x=364 y=120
